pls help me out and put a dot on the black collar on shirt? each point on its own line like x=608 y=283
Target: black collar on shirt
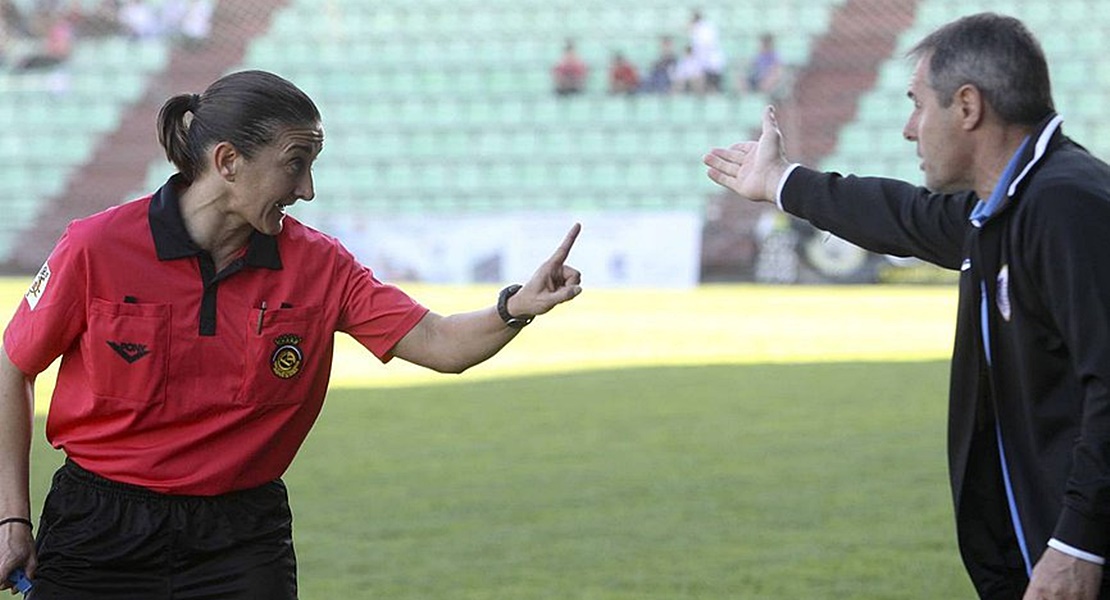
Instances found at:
x=171 y=239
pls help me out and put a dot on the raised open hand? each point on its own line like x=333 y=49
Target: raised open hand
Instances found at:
x=751 y=169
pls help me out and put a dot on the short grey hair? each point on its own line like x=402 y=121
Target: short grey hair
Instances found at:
x=999 y=56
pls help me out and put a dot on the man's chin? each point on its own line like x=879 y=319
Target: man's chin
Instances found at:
x=943 y=187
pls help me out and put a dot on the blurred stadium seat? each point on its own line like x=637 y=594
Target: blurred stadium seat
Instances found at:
x=428 y=99
x=52 y=119
x=447 y=106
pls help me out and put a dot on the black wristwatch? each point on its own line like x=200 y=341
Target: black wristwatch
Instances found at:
x=519 y=322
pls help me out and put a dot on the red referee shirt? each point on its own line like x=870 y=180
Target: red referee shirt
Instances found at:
x=181 y=379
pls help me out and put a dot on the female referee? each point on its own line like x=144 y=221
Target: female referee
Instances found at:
x=195 y=327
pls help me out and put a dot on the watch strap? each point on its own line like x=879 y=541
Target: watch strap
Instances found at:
x=513 y=321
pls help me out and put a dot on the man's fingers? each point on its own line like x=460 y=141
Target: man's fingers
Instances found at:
x=725 y=165
x=563 y=251
x=726 y=161
x=719 y=177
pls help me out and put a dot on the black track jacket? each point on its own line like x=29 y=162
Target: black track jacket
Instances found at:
x=1044 y=262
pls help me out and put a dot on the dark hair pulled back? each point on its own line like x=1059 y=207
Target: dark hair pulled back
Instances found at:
x=248 y=109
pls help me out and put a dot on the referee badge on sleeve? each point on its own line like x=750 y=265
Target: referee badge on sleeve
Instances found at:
x=287 y=359
x=38 y=286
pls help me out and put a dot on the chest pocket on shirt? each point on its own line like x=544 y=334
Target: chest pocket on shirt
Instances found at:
x=126 y=351
x=284 y=356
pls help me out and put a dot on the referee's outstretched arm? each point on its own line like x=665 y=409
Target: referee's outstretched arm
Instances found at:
x=457 y=342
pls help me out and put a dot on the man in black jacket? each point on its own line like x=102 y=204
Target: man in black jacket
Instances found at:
x=1024 y=213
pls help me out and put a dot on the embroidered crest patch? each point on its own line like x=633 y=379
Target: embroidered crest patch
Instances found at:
x=287 y=359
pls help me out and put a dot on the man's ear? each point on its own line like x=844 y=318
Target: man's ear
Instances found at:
x=226 y=159
x=969 y=101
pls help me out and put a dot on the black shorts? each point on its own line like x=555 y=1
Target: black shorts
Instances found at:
x=99 y=539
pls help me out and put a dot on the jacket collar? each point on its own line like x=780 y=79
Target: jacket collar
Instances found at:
x=172 y=240
x=1030 y=154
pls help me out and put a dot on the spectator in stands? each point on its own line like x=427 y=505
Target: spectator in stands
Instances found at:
x=706 y=46
x=623 y=76
x=765 y=70
x=661 y=74
x=4 y=35
x=688 y=74
x=56 y=47
x=570 y=72
x=170 y=14
x=101 y=20
x=190 y=20
x=179 y=408
x=17 y=26
x=13 y=23
x=140 y=20
x=196 y=24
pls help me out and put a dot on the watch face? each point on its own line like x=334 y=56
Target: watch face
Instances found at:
x=517 y=323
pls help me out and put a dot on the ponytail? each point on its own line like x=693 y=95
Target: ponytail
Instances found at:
x=173 y=133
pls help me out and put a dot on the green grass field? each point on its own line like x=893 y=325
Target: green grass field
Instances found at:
x=726 y=442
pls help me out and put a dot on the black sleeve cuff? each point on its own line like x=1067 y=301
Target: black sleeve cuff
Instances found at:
x=794 y=188
x=1079 y=531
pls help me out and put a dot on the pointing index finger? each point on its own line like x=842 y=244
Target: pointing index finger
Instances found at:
x=563 y=250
